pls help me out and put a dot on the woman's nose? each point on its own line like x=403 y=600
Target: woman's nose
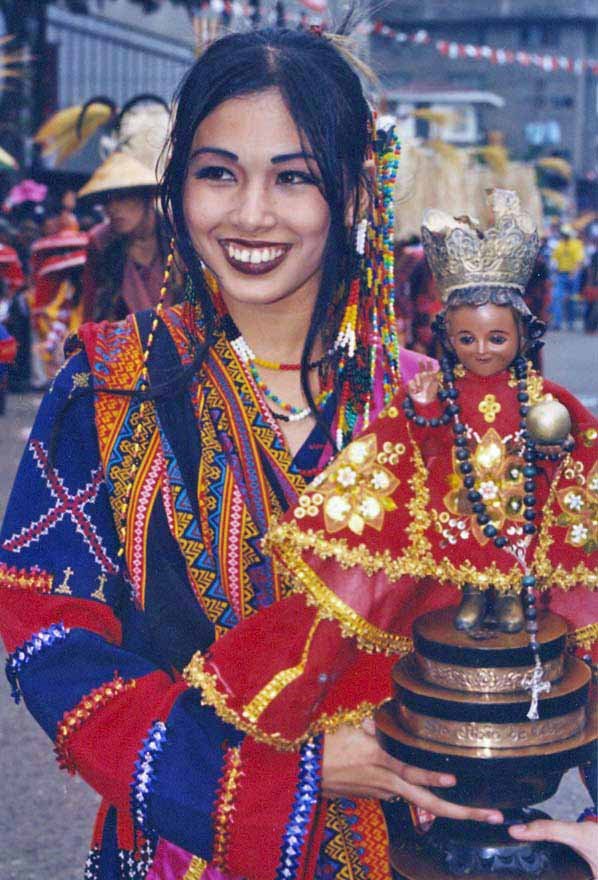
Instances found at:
x=253 y=210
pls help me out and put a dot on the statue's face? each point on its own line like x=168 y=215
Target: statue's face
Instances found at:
x=485 y=338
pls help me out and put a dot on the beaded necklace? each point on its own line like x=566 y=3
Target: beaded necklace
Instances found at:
x=291 y=413
x=278 y=366
x=449 y=394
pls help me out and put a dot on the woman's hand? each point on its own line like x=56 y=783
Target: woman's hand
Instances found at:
x=354 y=765
x=424 y=385
x=582 y=837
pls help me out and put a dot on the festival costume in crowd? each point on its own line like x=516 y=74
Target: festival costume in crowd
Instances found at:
x=133 y=540
x=57 y=263
x=11 y=271
x=388 y=532
x=8 y=353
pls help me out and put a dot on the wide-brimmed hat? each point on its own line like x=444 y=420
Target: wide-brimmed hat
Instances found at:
x=120 y=174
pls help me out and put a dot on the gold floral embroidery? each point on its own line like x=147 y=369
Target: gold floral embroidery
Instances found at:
x=498 y=479
x=580 y=512
x=588 y=437
x=489 y=407
x=355 y=489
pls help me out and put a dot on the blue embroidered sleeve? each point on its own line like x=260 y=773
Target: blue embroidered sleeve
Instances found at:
x=81 y=654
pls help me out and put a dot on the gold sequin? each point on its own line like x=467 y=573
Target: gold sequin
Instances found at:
x=489 y=407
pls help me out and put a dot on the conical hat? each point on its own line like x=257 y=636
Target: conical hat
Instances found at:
x=119 y=172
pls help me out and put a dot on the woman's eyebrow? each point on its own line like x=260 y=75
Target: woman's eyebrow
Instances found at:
x=214 y=150
x=287 y=157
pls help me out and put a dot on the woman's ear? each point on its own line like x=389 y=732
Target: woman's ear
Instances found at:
x=366 y=186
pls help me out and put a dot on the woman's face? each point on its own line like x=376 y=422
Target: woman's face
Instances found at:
x=253 y=208
x=484 y=338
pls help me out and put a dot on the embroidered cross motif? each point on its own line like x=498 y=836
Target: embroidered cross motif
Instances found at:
x=98 y=593
x=67 y=504
x=489 y=407
x=64 y=586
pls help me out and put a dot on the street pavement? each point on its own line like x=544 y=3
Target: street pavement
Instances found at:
x=46 y=816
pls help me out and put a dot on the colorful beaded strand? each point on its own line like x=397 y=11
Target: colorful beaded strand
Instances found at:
x=144 y=384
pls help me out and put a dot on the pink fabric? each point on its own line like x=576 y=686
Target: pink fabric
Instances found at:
x=409 y=362
x=26 y=191
x=172 y=863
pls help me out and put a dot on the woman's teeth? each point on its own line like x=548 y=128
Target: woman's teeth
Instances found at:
x=253 y=255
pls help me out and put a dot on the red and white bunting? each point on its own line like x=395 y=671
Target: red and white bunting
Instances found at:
x=453 y=50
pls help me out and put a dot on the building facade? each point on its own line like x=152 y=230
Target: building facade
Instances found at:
x=542 y=112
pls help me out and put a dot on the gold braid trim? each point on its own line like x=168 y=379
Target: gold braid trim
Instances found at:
x=278 y=683
x=585 y=636
x=196 y=676
x=369 y=637
x=196 y=869
x=226 y=805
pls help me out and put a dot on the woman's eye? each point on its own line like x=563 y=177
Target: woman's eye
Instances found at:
x=214 y=172
x=293 y=177
x=466 y=339
x=497 y=339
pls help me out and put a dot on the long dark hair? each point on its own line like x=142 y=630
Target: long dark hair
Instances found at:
x=324 y=97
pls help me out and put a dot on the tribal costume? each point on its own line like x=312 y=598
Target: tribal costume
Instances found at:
x=99 y=642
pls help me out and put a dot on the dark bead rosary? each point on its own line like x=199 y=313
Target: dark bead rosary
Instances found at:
x=449 y=395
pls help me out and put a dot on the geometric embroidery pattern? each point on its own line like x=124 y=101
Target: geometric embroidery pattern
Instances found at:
x=34 y=579
x=67 y=504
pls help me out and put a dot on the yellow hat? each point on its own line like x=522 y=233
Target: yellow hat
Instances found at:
x=119 y=173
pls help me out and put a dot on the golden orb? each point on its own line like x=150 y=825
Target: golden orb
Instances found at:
x=549 y=422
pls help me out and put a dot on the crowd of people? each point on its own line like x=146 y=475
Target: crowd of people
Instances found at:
x=68 y=257
x=133 y=574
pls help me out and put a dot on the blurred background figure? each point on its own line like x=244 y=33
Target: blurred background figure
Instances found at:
x=57 y=260
x=589 y=280
x=127 y=253
x=567 y=259
x=8 y=352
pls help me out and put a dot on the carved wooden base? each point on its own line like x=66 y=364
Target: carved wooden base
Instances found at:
x=411 y=861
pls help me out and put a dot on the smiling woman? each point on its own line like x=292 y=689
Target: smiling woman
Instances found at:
x=255 y=210
x=167 y=446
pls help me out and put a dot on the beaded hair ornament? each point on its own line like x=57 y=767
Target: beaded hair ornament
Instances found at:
x=366 y=348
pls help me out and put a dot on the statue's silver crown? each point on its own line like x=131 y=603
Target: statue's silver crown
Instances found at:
x=462 y=255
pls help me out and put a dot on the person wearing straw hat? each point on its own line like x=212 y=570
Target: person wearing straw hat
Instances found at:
x=127 y=253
